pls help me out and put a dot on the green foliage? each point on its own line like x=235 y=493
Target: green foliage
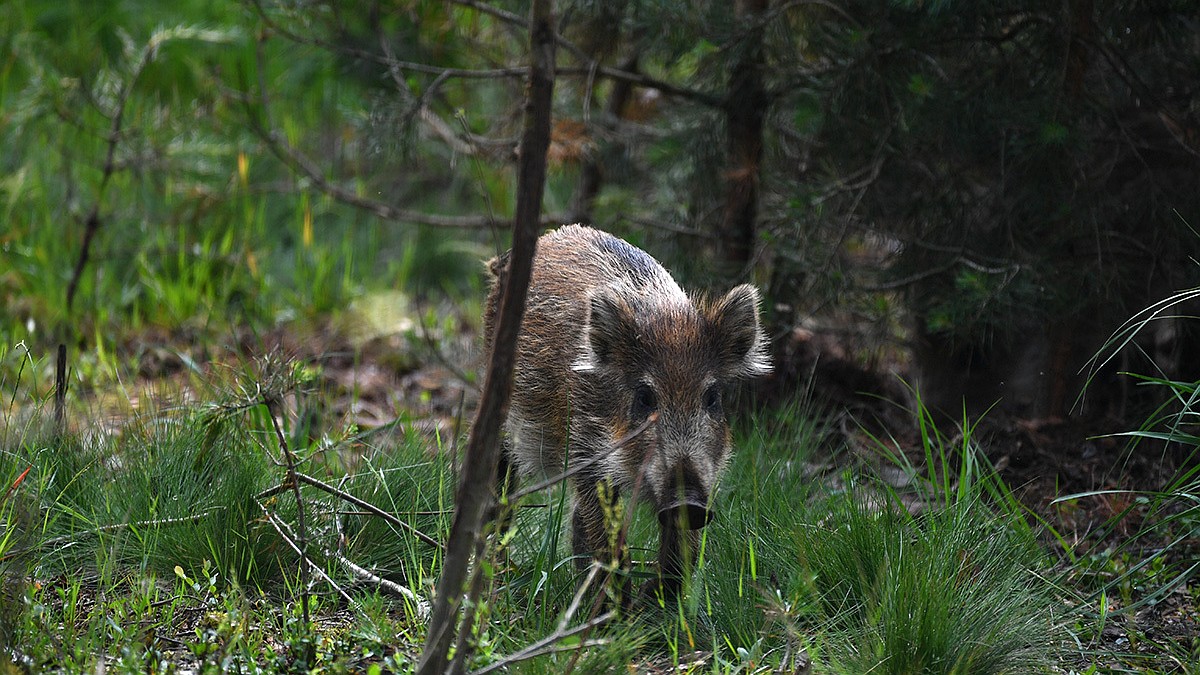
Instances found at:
x=1158 y=559
x=954 y=156
x=143 y=121
x=952 y=591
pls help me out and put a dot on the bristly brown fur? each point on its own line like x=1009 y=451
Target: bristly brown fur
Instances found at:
x=609 y=338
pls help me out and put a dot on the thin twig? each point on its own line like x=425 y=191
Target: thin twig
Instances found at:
x=346 y=496
x=576 y=468
x=75 y=536
x=588 y=67
x=593 y=571
x=391 y=587
x=93 y=222
x=271 y=403
x=458 y=417
x=544 y=646
x=436 y=350
x=470 y=144
x=300 y=163
x=304 y=561
x=669 y=227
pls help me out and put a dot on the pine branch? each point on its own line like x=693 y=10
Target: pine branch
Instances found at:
x=300 y=163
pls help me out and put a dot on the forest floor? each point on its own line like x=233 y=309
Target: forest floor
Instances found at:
x=1090 y=488
x=369 y=382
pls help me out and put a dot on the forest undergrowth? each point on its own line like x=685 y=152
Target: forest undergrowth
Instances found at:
x=252 y=528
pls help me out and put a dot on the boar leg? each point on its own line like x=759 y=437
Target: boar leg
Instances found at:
x=589 y=529
x=591 y=540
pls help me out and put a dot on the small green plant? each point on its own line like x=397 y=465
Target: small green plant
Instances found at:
x=1159 y=557
x=951 y=591
x=945 y=579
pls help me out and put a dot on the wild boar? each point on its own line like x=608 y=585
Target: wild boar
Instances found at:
x=609 y=340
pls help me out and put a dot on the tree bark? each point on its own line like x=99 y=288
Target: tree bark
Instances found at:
x=745 y=110
x=475 y=491
x=591 y=175
x=1064 y=359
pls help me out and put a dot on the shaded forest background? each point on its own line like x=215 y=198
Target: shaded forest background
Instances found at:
x=976 y=195
x=242 y=239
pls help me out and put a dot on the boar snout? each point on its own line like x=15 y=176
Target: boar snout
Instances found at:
x=687 y=508
x=688 y=515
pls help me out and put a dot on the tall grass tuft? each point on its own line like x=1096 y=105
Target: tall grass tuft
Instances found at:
x=833 y=570
x=175 y=492
x=749 y=551
x=1161 y=556
x=951 y=591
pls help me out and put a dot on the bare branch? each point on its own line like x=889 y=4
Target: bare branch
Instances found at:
x=301 y=522
x=300 y=163
x=390 y=587
x=161 y=522
x=588 y=67
x=304 y=560
x=92 y=223
x=544 y=646
x=645 y=81
x=367 y=506
x=475 y=490
x=468 y=144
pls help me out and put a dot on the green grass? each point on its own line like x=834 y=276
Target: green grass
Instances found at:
x=153 y=546
x=861 y=583
x=955 y=591
x=162 y=522
x=203 y=234
x=167 y=519
x=171 y=513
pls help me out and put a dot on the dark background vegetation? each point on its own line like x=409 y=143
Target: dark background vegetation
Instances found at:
x=979 y=193
x=973 y=197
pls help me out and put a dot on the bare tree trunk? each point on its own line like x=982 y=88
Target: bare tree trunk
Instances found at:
x=745 y=109
x=1065 y=358
x=591 y=175
x=475 y=491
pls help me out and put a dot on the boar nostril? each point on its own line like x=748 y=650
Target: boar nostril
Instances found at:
x=689 y=515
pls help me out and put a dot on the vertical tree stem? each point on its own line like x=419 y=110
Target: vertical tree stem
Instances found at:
x=475 y=489
x=745 y=109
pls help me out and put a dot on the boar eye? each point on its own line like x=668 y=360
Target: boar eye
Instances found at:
x=644 y=402
x=712 y=401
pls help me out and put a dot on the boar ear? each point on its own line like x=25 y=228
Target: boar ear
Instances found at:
x=604 y=330
x=740 y=342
